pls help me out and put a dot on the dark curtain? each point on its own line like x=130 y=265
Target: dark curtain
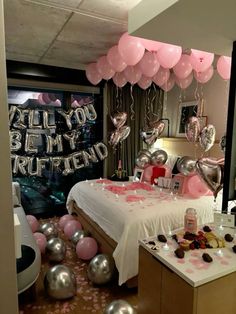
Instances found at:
x=139 y=105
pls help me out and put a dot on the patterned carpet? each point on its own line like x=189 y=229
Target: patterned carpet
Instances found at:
x=89 y=298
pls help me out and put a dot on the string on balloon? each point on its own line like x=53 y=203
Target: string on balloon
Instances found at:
x=132 y=103
x=117 y=99
x=147 y=116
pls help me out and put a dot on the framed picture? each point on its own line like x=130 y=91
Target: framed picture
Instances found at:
x=138 y=175
x=177 y=183
x=186 y=110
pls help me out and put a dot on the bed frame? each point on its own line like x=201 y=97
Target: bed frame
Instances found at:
x=105 y=243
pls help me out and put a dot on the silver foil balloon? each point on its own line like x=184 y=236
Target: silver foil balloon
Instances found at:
x=159 y=157
x=192 y=129
x=119 y=307
x=119 y=119
x=124 y=132
x=60 y=282
x=142 y=161
x=186 y=165
x=49 y=230
x=146 y=152
x=211 y=174
x=207 y=137
x=55 y=250
x=79 y=234
x=101 y=269
x=152 y=132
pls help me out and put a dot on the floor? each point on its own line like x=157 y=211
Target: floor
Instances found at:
x=89 y=298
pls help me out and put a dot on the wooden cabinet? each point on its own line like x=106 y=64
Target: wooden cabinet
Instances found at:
x=162 y=291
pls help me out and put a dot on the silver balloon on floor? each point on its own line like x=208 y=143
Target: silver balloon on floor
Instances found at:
x=60 y=282
x=79 y=234
x=49 y=230
x=55 y=250
x=119 y=307
x=101 y=269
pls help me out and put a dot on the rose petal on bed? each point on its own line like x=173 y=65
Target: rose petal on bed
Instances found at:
x=134 y=198
x=105 y=181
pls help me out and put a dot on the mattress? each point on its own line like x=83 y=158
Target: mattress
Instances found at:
x=129 y=212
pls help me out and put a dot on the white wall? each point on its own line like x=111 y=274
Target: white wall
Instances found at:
x=215 y=93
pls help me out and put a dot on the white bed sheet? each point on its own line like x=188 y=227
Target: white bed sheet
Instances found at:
x=127 y=222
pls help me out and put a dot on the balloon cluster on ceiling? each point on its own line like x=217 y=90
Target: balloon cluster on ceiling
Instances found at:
x=141 y=61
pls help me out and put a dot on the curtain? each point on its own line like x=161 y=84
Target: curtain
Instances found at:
x=139 y=104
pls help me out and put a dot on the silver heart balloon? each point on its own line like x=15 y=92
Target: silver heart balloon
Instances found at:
x=119 y=119
x=186 y=165
x=152 y=132
x=124 y=132
x=207 y=137
x=211 y=174
x=192 y=129
x=159 y=157
x=119 y=135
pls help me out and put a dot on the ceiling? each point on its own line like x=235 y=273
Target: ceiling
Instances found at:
x=205 y=25
x=69 y=33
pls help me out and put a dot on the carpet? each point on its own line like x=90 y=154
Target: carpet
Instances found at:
x=89 y=298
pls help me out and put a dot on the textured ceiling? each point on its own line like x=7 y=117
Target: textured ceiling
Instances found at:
x=69 y=33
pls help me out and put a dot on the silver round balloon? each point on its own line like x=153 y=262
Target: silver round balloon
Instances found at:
x=60 y=282
x=159 y=157
x=146 y=152
x=186 y=165
x=79 y=234
x=55 y=250
x=119 y=307
x=101 y=269
x=49 y=230
x=142 y=161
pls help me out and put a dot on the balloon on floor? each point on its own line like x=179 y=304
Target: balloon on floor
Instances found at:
x=101 y=269
x=119 y=307
x=60 y=282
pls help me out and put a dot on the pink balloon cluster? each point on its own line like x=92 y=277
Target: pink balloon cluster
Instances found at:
x=142 y=61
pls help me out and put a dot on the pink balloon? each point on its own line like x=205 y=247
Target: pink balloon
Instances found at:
x=201 y=60
x=33 y=222
x=144 y=82
x=130 y=49
x=119 y=79
x=169 y=84
x=133 y=74
x=185 y=82
x=115 y=60
x=195 y=187
x=203 y=77
x=161 y=77
x=86 y=248
x=64 y=219
x=104 y=68
x=224 y=67
x=71 y=226
x=41 y=241
x=183 y=68
x=151 y=45
x=169 y=55
x=92 y=74
x=149 y=64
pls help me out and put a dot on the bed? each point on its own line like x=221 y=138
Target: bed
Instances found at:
x=118 y=214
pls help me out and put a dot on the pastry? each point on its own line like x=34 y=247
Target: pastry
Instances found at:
x=207 y=258
x=228 y=237
x=179 y=253
x=161 y=238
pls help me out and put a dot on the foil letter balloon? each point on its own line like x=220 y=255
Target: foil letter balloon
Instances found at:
x=192 y=129
x=207 y=137
x=151 y=133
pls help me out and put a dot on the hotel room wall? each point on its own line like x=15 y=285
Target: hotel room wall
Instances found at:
x=215 y=93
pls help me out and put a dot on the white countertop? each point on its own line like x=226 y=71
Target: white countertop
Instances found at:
x=192 y=268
